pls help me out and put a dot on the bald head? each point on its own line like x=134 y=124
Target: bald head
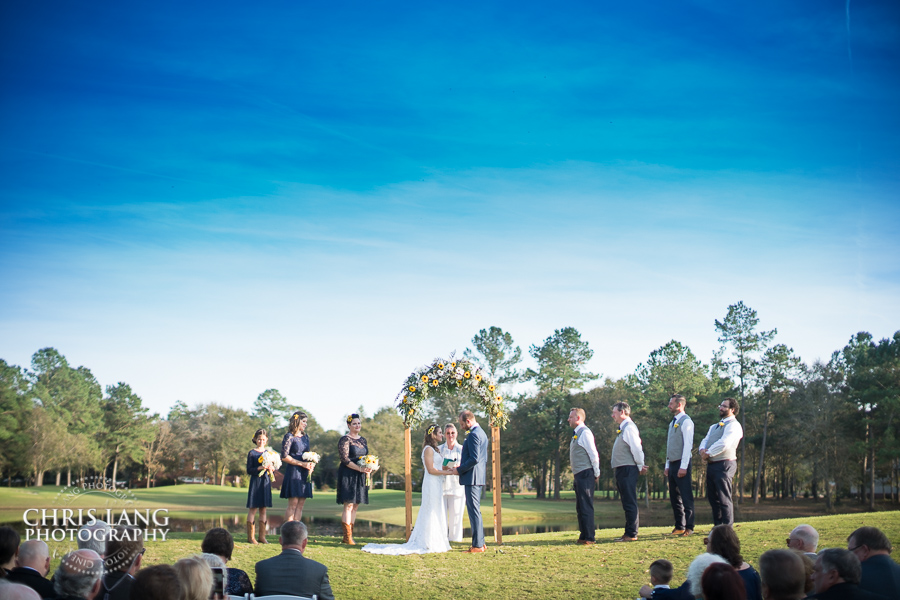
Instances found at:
x=17 y=591
x=36 y=555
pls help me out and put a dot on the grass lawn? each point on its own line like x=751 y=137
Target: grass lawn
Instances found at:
x=547 y=565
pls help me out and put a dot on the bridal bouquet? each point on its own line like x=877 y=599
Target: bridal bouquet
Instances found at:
x=269 y=458
x=312 y=457
x=368 y=461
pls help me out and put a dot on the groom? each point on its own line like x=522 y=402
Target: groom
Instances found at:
x=471 y=471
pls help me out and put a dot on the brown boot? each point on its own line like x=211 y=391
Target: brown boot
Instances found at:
x=263 y=528
x=251 y=532
x=348 y=534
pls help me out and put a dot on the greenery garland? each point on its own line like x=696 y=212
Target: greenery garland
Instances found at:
x=450 y=376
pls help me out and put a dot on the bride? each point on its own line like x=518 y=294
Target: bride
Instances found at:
x=430 y=531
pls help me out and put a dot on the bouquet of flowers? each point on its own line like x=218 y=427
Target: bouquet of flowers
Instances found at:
x=369 y=461
x=269 y=458
x=312 y=457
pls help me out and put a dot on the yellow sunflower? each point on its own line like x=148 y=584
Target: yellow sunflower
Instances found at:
x=412 y=388
x=425 y=378
x=467 y=374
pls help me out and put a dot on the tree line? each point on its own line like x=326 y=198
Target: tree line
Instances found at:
x=824 y=430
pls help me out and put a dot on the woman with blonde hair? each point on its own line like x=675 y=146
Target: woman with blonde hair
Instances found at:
x=196 y=578
x=297 y=486
x=430 y=531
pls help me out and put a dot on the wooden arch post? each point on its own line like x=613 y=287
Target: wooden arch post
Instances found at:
x=496 y=486
x=407 y=463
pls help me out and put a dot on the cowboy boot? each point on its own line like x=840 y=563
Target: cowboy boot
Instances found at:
x=348 y=534
x=263 y=528
x=251 y=532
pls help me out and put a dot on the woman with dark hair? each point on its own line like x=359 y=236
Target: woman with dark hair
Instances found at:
x=351 y=480
x=259 y=494
x=723 y=540
x=430 y=531
x=218 y=541
x=296 y=486
x=721 y=581
x=9 y=549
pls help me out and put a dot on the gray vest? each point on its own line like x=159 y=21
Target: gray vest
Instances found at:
x=578 y=456
x=675 y=441
x=714 y=436
x=621 y=453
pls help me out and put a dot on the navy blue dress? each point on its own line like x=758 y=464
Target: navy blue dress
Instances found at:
x=259 y=495
x=752 y=583
x=296 y=482
x=351 y=484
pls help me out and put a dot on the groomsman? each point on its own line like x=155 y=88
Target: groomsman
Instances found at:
x=586 y=466
x=719 y=448
x=679 y=444
x=628 y=463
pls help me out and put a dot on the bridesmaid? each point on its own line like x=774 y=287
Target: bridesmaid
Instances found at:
x=259 y=494
x=351 y=485
x=297 y=486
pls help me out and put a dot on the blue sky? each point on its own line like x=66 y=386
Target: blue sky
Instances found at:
x=206 y=202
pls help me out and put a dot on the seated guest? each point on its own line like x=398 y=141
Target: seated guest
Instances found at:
x=783 y=574
x=93 y=536
x=880 y=574
x=159 y=582
x=215 y=562
x=661 y=572
x=836 y=577
x=805 y=539
x=695 y=572
x=290 y=572
x=809 y=565
x=196 y=578
x=218 y=541
x=9 y=548
x=124 y=552
x=78 y=576
x=720 y=581
x=16 y=591
x=723 y=540
x=34 y=564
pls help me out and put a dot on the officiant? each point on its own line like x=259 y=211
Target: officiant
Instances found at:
x=454 y=493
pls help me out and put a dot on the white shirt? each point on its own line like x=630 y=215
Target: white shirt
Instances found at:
x=632 y=437
x=687 y=433
x=730 y=439
x=586 y=441
x=449 y=484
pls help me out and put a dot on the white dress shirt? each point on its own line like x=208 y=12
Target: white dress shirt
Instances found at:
x=586 y=440
x=687 y=432
x=730 y=439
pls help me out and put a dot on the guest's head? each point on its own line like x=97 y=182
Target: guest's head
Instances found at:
x=721 y=581
x=297 y=424
x=159 y=582
x=867 y=542
x=16 y=591
x=215 y=562
x=34 y=554
x=94 y=536
x=218 y=541
x=695 y=571
x=451 y=433
x=125 y=550
x=809 y=564
x=783 y=575
x=661 y=572
x=834 y=566
x=723 y=540
x=433 y=436
x=78 y=574
x=9 y=547
x=196 y=578
x=803 y=537
x=293 y=535
x=261 y=437
x=620 y=412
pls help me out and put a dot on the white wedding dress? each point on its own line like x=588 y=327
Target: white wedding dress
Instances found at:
x=430 y=531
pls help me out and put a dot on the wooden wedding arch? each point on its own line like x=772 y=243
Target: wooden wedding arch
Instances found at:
x=452 y=376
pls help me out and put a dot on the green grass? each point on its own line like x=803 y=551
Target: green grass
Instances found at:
x=546 y=565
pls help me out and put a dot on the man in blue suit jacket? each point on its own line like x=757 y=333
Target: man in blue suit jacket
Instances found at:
x=471 y=471
x=290 y=573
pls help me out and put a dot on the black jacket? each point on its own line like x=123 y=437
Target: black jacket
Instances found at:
x=32 y=579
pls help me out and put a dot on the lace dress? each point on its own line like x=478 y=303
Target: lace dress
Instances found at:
x=430 y=531
x=351 y=484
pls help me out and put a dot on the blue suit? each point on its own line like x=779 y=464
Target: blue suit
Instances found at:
x=472 y=467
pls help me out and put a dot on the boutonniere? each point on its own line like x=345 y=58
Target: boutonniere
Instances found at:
x=574 y=437
x=676 y=426
x=618 y=431
x=721 y=423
